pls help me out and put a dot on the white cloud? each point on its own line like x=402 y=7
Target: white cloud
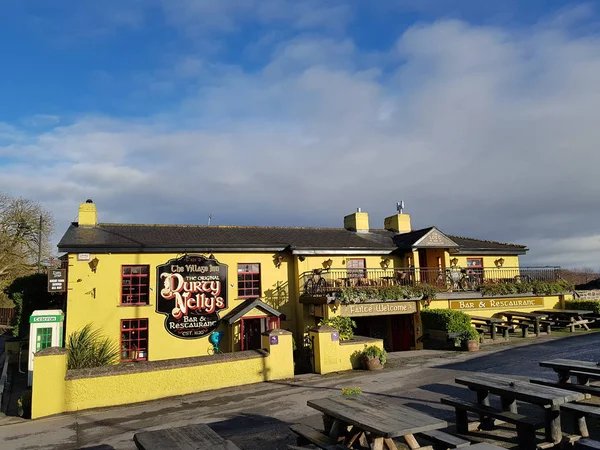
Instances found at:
x=484 y=132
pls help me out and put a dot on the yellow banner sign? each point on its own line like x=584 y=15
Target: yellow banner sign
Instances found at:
x=378 y=309
x=494 y=303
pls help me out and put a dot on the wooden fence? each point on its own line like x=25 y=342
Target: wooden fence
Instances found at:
x=6 y=316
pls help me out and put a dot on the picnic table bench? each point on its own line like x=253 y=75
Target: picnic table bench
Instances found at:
x=525 y=320
x=492 y=325
x=569 y=318
x=510 y=390
x=373 y=422
x=191 y=437
x=583 y=371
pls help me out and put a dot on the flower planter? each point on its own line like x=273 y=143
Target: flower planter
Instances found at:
x=471 y=345
x=373 y=364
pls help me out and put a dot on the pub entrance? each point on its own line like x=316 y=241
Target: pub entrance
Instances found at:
x=397 y=331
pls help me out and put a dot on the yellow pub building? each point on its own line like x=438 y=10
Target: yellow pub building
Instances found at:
x=162 y=291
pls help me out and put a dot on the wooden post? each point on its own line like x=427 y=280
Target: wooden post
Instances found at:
x=462 y=421
x=563 y=376
x=509 y=404
x=552 y=420
x=493 y=330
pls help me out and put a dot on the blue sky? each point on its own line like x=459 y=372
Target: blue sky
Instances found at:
x=480 y=115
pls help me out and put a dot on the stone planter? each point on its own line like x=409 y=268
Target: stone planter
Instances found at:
x=373 y=364
x=471 y=345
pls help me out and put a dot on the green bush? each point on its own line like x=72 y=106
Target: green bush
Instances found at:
x=372 y=351
x=344 y=325
x=535 y=287
x=89 y=348
x=386 y=293
x=445 y=319
x=469 y=335
x=585 y=305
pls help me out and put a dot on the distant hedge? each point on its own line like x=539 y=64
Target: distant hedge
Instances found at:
x=445 y=319
x=589 y=305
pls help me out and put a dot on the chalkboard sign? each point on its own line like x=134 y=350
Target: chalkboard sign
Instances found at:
x=57 y=280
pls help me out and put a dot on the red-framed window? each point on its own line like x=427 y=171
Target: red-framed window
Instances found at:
x=134 y=340
x=475 y=266
x=135 y=285
x=249 y=280
x=356 y=267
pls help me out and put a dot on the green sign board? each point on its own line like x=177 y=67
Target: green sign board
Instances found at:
x=45 y=319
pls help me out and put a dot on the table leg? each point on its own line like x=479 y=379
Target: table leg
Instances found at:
x=354 y=434
x=509 y=404
x=336 y=429
x=563 y=376
x=553 y=430
x=327 y=422
x=390 y=444
x=536 y=328
x=583 y=323
x=411 y=441
x=493 y=331
x=483 y=398
x=377 y=443
x=584 y=380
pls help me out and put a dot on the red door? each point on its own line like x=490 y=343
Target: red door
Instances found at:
x=251 y=336
x=402 y=332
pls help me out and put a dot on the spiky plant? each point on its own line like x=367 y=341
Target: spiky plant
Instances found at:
x=88 y=347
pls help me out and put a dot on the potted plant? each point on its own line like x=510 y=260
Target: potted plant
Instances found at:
x=470 y=339
x=24 y=405
x=374 y=357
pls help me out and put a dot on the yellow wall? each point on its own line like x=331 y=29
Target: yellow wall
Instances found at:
x=334 y=356
x=510 y=262
x=105 y=310
x=52 y=394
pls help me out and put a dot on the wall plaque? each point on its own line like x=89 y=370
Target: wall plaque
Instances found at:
x=492 y=303
x=192 y=290
x=378 y=309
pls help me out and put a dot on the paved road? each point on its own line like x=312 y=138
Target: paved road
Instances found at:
x=256 y=416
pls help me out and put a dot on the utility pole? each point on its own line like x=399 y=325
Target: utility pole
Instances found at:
x=39 y=259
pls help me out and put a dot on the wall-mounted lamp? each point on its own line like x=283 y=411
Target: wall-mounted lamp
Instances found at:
x=499 y=262
x=335 y=304
x=386 y=263
x=426 y=302
x=327 y=263
x=454 y=261
x=94 y=264
x=278 y=261
x=301 y=258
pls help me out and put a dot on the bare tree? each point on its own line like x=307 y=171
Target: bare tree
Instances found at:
x=25 y=231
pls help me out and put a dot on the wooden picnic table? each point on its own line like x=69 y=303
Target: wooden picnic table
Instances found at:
x=535 y=318
x=190 y=437
x=510 y=390
x=490 y=322
x=564 y=368
x=374 y=420
x=571 y=318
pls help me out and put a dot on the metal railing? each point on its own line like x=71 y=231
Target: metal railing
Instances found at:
x=325 y=281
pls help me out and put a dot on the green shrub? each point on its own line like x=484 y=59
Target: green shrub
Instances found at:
x=469 y=335
x=372 y=351
x=535 y=287
x=344 y=325
x=585 y=305
x=445 y=319
x=89 y=348
x=386 y=293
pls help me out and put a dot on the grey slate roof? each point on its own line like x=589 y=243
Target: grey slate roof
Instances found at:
x=169 y=238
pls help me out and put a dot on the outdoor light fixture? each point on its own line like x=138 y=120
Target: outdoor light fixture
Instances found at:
x=386 y=262
x=426 y=302
x=94 y=264
x=327 y=263
x=301 y=258
x=278 y=261
x=454 y=261
x=499 y=262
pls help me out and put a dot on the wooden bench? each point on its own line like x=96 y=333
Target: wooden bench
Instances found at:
x=584 y=389
x=580 y=413
x=443 y=441
x=526 y=426
x=308 y=435
x=586 y=444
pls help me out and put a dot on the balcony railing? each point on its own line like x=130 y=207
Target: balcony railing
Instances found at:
x=454 y=279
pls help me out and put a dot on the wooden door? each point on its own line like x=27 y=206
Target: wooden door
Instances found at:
x=251 y=334
x=402 y=332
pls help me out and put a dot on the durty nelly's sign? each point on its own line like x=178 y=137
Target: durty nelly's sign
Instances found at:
x=192 y=290
x=496 y=303
x=378 y=309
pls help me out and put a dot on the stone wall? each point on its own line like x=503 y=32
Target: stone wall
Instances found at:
x=592 y=294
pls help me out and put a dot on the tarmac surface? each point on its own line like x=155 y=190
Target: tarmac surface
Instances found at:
x=257 y=416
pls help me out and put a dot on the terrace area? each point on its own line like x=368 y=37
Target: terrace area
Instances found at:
x=322 y=282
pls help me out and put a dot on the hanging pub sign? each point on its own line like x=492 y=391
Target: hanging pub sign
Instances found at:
x=192 y=290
